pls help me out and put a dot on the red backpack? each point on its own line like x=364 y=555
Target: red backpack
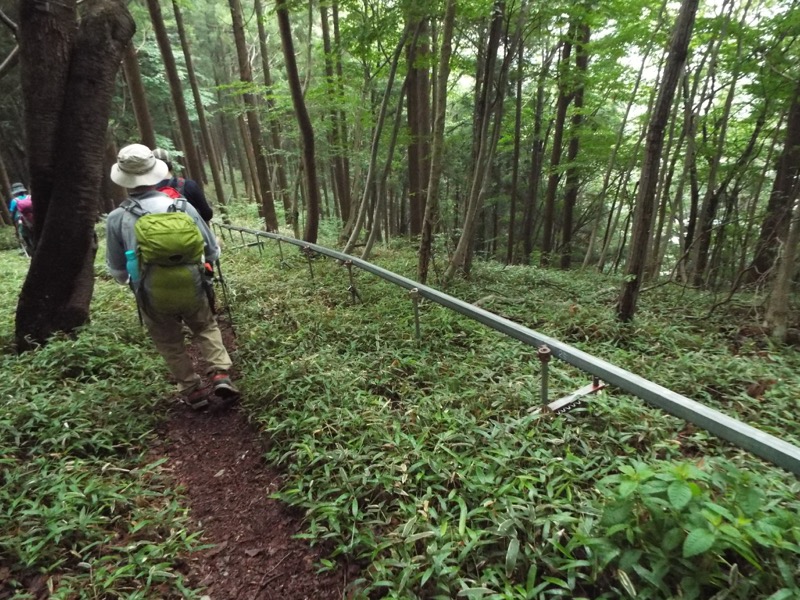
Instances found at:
x=174 y=188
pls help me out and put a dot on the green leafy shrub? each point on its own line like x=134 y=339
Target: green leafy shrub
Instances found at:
x=676 y=530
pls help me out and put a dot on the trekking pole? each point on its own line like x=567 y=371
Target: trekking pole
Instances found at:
x=138 y=308
x=224 y=285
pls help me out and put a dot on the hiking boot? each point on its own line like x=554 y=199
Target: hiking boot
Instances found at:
x=197 y=399
x=223 y=386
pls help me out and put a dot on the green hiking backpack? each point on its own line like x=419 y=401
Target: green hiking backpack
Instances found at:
x=170 y=256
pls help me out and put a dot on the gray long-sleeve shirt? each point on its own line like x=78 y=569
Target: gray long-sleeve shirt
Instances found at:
x=120 y=234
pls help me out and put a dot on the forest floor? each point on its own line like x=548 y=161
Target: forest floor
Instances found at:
x=217 y=457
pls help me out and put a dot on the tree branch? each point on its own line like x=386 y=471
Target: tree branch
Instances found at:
x=9 y=62
x=8 y=22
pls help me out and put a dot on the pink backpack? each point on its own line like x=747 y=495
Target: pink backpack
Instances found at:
x=25 y=210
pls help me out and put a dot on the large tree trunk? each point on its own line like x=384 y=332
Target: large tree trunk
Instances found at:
x=176 y=91
x=133 y=77
x=784 y=191
x=246 y=75
x=437 y=143
x=68 y=123
x=304 y=122
x=637 y=258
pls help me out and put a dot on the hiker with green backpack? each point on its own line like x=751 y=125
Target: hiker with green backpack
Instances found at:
x=160 y=246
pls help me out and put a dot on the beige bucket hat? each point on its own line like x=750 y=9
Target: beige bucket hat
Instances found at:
x=136 y=166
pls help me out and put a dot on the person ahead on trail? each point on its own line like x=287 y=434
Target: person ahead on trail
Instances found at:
x=21 y=208
x=159 y=246
x=178 y=186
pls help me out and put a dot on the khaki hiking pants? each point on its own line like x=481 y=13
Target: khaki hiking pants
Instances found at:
x=167 y=334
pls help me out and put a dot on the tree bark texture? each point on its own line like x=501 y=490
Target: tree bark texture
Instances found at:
x=637 y=258
x=58 y=289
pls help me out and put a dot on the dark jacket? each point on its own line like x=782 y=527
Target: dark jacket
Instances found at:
x=193 y=194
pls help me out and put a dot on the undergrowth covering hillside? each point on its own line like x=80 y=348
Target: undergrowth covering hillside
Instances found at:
x=426 y=462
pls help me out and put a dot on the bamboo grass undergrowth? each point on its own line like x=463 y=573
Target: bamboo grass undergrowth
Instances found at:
x=85 y=511
x=426 y=463
x=429 y=464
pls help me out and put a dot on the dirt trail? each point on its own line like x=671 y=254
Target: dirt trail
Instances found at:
x=218 y=458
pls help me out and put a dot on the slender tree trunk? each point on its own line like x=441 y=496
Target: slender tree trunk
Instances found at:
x=133 y=77
x=380 y=195
x=437 y=144
x=756 y=195
x=419 y=126
x=460 y=258
x=376 y=138
x=272 y=116
x=512 y=211
x=343 y=133
x=304 y=122
x=245 y=74
x=248 y=163
x=565 y=95
x=777 y=317
x=340 y=178
x=5 y=189
x=712 y=196
x=537 y=164
x=176 y=90
x=612 y=159
x=205 y=133
x=637 y=257
x=571 y=192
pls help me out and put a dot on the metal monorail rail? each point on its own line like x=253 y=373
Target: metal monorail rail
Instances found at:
x=760 y=443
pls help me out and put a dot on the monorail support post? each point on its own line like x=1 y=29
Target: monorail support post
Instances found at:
x=544 y=357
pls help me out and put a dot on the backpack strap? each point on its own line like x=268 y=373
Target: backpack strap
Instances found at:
x=132 y=206
x=178 y=206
